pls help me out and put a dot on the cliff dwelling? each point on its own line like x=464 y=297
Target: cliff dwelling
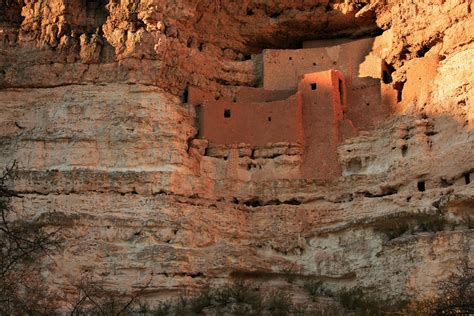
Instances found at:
x=313 y=98
x=223 y=157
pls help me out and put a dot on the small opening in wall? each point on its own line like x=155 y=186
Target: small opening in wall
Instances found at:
x=421 y=186
x=269 y=118
x=314 y=86
x=341 y=91
x=467 y=178
x=290 y=58
x=386 y=77
x=399 y=96
x=404 y=150
x=399 y=87
x=314 y=64
x=184 y=96
x=227 y=113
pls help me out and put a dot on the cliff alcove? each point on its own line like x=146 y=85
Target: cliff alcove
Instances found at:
x=117 y=114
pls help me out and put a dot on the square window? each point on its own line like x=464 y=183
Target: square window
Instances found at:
x=227 y=113
x=314 y=86
x=421 y=186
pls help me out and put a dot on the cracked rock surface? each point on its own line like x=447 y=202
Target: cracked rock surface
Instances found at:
x=91 y=108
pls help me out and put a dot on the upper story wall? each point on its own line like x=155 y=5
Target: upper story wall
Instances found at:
x=224 y=122
x=283 y=68
x=251 y=94
x=369 y=100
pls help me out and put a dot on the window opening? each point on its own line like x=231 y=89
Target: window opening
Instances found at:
x=341 y=91
x=386 y=77
x=421 y=186
x=467 y=178
x=227 y=113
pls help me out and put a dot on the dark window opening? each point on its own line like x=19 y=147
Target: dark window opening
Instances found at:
x=314 y=64
x=387 y=71
x=467 y=178
x=227 y=113
x=274 y=15
x=399 y=87
x=404 y=150
x=249 y=12
x=269 y=118
x=421 y=186
x=314 y=86
x=184 y=96
x=341 y=91
x=290 y=58
x=399 y=96
x=386 y=77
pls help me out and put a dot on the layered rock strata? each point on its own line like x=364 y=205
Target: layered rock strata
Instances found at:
x=92 y=108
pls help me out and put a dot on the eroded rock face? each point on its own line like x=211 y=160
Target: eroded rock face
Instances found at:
x=91 y=108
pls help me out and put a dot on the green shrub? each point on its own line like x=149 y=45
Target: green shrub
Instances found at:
x=202 y=300
x=239 y=291
x=433 y=224
x=456 y=295
x=181 y=306
x=313 y=288
x=279 y=302
x=397 y=231
x=355 y=299
x=241 y=309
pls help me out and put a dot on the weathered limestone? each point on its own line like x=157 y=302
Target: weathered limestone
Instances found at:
x=106 y=146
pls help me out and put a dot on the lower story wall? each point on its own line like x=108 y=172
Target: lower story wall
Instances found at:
x=257 y=124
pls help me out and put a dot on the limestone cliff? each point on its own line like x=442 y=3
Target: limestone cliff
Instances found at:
x=93 y=108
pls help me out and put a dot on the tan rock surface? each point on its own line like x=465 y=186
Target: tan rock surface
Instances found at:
x=90 y=107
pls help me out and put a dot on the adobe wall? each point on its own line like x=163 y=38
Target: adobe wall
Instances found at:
x=314 y=117
x=252 y=123
x=326 y=43
x=322 y=110
x=282 y=70
x=197 y=96
x=250 y=94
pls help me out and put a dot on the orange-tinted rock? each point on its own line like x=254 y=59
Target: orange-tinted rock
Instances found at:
x=91 y=107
